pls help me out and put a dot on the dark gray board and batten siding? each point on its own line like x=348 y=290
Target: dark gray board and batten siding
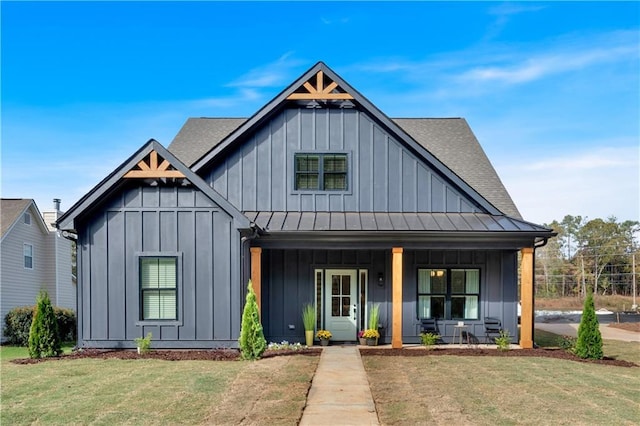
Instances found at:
x=384 y=175
x=160 y=220
x=288 y=283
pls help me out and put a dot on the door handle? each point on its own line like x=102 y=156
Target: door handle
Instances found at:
x=355 y=310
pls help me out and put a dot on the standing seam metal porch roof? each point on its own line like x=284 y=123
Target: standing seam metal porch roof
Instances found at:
x=394 y=222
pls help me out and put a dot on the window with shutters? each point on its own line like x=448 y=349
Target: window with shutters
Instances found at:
x=158 y=288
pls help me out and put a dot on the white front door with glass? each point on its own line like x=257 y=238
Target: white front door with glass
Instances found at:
x=341 y=303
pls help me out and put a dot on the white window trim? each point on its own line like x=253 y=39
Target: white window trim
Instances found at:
x=24 y=256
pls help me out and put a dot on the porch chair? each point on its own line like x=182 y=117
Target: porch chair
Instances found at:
x=492 y=328
x=428 y=325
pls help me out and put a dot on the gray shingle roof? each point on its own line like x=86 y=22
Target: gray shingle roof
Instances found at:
x=448 y=139
x=199 y=135
x=454 y=144
x=10 y=210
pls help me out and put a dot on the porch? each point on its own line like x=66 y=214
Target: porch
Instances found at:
x=344 y=282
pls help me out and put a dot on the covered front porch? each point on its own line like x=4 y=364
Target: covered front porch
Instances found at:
x=343 y=283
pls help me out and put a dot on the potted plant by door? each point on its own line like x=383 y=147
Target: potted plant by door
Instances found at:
x=324 y=336
x=361 y=338
x=371 y=335
x=309 y=322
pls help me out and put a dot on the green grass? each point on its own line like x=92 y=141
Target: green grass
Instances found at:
x=12 y=352
x=499 y=390
x=148 y=391
x=628 y=351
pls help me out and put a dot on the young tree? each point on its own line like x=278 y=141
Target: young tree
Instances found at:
x=44 y=338
x=589 y=343
x=252 y=342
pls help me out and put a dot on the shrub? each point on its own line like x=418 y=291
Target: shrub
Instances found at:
x=568 y=343
x=144 y=343
x=589 y=343
x=252 y=342
x=17 y=324
x=504 y=340
x=429 y=339
x=44 y=339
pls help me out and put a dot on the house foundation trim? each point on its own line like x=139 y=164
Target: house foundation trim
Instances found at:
x=396 y=284
x=256 y=274
x=526 y=299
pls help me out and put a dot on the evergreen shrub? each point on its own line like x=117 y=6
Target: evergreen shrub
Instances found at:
x=44 y=339
x=252 y=342
x=589 y=343
x=17 y=324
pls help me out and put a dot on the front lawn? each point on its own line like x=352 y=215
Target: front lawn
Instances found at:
x=148 y=391
x=505 y=390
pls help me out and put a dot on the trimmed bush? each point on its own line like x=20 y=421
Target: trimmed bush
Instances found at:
x=17 y=324
x=589 y=343
x=44 y=339
x=252 y=342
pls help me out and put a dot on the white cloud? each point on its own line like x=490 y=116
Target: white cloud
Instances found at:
x=489 y=67
x=522 y=70
x=273 y=74
x=598 y=182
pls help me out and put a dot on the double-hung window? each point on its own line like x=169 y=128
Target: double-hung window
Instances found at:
x=321 y=172
x=159 y=288
x=28 y=256
x=448 y=293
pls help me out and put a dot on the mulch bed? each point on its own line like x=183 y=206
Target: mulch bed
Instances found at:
x=539 y=352
x=167 y=355
x=234 y=355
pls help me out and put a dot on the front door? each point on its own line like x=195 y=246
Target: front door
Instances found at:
x=341 y=303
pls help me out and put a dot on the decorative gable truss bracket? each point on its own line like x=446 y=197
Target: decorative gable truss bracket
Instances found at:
x=324 y=89
x=153 y=166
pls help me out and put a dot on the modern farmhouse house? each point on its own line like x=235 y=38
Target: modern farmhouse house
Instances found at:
x=319 y=198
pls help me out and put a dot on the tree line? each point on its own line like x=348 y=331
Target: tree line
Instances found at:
x=598 y=255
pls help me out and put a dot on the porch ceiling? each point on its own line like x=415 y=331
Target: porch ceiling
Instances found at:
x=305 y=222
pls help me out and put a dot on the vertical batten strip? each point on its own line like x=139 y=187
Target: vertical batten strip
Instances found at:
x=396 y=273
x=526 y=299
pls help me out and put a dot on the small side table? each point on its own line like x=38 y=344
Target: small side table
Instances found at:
x=459 y=329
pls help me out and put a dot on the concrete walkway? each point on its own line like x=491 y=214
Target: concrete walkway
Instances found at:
x=340 y=393
x=571 y=329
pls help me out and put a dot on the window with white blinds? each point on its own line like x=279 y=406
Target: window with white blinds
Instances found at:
x=158 y=288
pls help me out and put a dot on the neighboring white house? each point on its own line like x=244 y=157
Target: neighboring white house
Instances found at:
x=33 y=257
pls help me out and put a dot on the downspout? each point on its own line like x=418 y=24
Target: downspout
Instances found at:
x=243 y=240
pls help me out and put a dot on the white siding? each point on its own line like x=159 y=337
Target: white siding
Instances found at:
x=20 y=286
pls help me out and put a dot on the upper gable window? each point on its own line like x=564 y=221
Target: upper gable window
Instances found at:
x=321 y=172
x=27 y=219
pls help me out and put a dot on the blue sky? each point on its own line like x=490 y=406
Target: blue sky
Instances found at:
x=551 y=90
